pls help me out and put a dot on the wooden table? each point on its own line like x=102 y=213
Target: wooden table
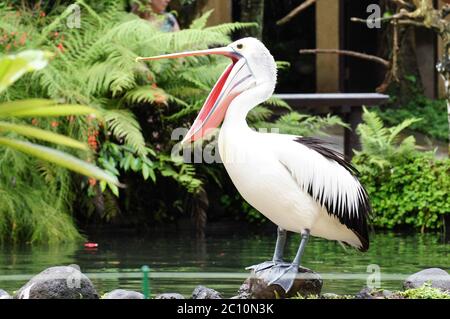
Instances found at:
x=348 y=105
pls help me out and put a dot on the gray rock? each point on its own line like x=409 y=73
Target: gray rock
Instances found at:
x=4 y=294
x=201 y=292
x=243 y=293
x=170 y=296
x=61 y=282
x=438 y=278
x=369 y=293
x=388 y=294
x=256 y=287
x=123 y=294
x=366 y=293
x=330 y=295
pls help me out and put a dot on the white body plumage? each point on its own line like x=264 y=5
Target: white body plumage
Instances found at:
x=272 y=172
x=296 y=182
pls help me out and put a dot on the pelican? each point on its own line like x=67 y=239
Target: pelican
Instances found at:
x=296 y=182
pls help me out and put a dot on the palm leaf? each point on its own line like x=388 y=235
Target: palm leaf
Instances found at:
x=8 y=108
x=59 y=158
x=40 y=134
x=12 y=67
x=57 y=110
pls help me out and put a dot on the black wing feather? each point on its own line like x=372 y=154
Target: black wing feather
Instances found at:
x=356 y=223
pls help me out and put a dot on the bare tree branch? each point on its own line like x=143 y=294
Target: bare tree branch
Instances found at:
x=412 y=22
x=404 y=3
x=295 y=12
x=355 y=54
x=394 y=17
x=395 y=53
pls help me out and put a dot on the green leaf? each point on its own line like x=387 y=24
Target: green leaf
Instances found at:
x=6 y=109
x=57 y=110
x=108 y=166
x=145 y=171
x=127 y=163
x=60 y=158
x=44 y=135
x=135 y=164
x=103 y=185
x=114 y=189
x=283 y=65
x=152 y=175
x=12 y=67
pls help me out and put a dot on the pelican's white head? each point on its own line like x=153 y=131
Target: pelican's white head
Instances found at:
x=259 y=60
x=252 y=67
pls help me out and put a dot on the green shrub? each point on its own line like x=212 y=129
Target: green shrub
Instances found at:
x=406 y=187
x=411 y=192
x=432 y=112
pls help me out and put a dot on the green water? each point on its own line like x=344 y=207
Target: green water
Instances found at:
x=396 y=255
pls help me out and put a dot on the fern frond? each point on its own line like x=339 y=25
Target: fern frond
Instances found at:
x=382 y=144
x=123 y=125
x=143 y=94
x=259 y=114
x=200 y=22
x=228 y=28
x=274 y=101
x=185 y=40
x=204 y=75
x=301 y=124
x=396 y=130
x=283 y=65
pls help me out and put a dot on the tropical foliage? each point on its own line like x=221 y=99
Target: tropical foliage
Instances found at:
x=38 y=216
x=11 y=69
x=407 y=188
x=141 y=104
x=432 y=112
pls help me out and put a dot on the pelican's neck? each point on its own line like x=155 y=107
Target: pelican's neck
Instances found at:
x=237 y=112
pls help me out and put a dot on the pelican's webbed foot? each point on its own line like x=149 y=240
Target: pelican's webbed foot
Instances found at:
x=266 y=265
x=260 y=267
x=282 y=275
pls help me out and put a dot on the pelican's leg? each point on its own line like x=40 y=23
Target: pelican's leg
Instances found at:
x=279 y=246
x=283 y=275
x=278 y=254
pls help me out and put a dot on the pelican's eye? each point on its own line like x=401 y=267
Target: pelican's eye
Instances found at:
x=240 y=46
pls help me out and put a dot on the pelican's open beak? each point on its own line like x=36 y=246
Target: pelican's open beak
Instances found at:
x=230 y=84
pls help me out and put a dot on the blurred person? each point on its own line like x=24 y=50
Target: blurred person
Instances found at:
x=154 y=11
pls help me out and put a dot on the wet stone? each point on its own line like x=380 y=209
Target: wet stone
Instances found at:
x=123 y=294
x=438 y=278
x=201 y=292
x=169 y=296
x=256 y=287
x=370 y=293
x=4 y=294
x=61 y=282
x=330 y=295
